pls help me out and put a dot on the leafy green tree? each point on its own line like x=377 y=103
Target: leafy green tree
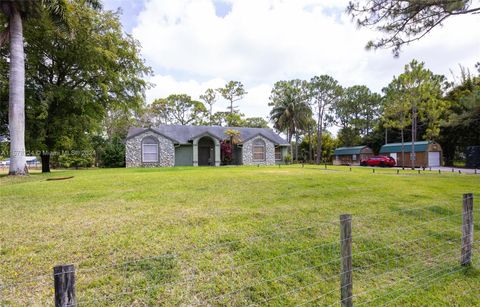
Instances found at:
x=291 y=112
x=16 y=12
x=74 y=78
x=396 y=111
x=227 y=119
x=324 y=94
x=232 y=92
x=179 y=109
x=113 y=154
x=462 y=123
x=420 y=92
x=308 y=133
x=209 y=98
x=255 y=122
x=356 y=112
x=236 y=119
x=348 y=136
x=406 y=21
x=117 y=121
x=329 y=145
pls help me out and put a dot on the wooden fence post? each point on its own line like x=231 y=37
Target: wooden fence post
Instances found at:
x=467 y=229
x=346 y=290
x=64 y=282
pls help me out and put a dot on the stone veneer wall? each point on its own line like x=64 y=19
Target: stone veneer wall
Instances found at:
x=247 y=152
x=133 y=152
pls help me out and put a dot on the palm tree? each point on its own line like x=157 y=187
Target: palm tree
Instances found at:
x=291 y=112
x=15 y=12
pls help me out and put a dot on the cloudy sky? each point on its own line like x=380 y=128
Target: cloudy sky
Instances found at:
x=193 y=45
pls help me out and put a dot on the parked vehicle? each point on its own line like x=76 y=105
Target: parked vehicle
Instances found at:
x=381 y=161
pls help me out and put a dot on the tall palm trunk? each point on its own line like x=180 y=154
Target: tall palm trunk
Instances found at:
x=16 y=114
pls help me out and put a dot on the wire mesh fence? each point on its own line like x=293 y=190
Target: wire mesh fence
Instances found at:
x=288 y=266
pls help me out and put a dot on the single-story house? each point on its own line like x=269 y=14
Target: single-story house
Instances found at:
x=179 y=145
x=427 y=153
x=351 y=155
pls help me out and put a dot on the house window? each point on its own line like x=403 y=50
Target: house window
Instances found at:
x=259 y=150
x=354 y=157
x=278 y=154
x=149 y=150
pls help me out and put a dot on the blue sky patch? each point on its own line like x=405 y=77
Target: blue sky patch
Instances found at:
x=222 y=8
x=130 y=10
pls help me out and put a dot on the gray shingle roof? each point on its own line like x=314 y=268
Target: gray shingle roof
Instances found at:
x=183 y=134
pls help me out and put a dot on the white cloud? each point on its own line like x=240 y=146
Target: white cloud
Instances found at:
x=263 y=41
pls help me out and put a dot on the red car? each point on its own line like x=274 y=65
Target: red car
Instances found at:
x=381 y=161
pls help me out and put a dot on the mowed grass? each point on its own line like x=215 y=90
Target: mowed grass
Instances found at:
x=237 y=236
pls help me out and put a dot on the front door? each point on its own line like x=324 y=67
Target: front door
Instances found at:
x=203 y=155
x=206 y=152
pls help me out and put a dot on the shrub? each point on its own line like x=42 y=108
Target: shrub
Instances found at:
x=287 y=158
x=113 y=153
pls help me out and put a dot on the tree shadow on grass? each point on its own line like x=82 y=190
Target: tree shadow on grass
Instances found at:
x=156 y=270
x=422 y=213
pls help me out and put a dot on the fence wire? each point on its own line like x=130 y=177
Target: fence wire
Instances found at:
x=295 y=266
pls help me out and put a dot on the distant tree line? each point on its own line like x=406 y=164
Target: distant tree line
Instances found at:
x=415 y=105
x=182 y=109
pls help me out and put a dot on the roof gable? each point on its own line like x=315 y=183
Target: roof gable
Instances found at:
x=255 y=136
x=133 y=132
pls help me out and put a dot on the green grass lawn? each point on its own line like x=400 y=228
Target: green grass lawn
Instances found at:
x=237 y=236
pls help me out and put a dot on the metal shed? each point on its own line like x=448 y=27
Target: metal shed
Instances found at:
x=351 y=155
x=427 y=153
